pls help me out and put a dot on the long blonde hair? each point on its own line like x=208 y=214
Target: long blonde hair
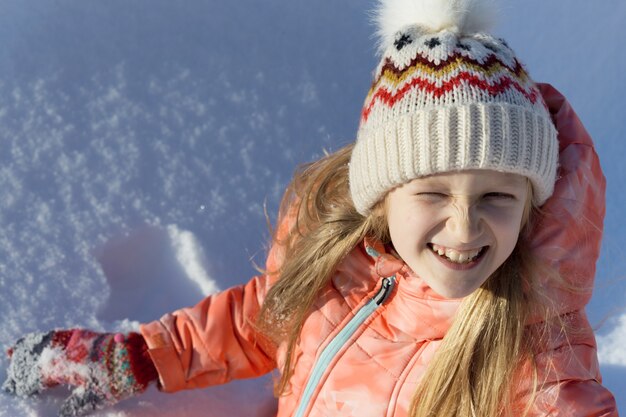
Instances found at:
x=471 y=373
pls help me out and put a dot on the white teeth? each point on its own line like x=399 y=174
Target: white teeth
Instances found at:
x=456 y=256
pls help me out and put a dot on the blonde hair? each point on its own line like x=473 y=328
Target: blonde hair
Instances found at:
x=472 y=372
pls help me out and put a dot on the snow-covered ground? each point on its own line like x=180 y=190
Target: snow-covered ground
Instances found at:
x=139 y=141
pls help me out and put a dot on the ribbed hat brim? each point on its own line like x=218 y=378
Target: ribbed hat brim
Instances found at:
x=496 y=136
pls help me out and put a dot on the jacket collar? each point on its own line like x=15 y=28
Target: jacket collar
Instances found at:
x=387 y=263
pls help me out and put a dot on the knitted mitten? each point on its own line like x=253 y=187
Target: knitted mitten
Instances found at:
x=104 y=368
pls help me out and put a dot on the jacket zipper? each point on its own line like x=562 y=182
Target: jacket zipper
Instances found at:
x=340 y=340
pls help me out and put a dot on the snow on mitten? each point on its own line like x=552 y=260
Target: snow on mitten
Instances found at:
x=104 y=368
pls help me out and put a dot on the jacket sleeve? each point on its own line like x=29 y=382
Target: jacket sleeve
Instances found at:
x=215 y=341
x=568 y=236
x=568 y=376
x=212 y=342
x=577 y=398
x=568 y=232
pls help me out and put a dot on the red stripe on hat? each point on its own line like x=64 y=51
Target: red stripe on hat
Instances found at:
x=389 y=99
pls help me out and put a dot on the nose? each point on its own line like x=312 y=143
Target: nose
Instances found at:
x=464 y=222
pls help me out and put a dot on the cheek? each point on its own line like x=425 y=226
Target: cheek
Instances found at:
x=410 y=228
x=505 y=226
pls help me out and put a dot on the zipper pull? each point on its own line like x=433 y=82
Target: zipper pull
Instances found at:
x=385 y=289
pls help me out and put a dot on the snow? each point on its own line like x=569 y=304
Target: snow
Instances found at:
x=139 y=142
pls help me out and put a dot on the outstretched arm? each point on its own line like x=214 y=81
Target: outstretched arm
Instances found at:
x=213 y=342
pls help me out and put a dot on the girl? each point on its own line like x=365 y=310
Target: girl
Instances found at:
x=438 y=266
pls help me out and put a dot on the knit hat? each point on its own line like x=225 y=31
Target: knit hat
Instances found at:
x=448 y=96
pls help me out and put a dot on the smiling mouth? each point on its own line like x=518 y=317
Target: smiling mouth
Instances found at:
x=457 y=257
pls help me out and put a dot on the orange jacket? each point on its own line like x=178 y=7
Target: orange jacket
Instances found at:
x=368 y=341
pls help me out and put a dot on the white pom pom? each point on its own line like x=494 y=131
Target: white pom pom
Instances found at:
x=462 y=16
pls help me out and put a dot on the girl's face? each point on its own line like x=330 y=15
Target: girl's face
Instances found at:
x=455 y=229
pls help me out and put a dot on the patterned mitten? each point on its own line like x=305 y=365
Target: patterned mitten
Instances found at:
x=104 y=368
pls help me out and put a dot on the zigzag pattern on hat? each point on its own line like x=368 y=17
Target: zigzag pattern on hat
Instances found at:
x=388 y=98
x=393 y=75
x=437 y=68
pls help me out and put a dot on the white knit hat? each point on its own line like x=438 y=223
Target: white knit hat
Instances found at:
x=447 y=96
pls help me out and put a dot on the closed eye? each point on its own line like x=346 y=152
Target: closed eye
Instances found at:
x=486 y=195
x=494 y=196
x=499 y=196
